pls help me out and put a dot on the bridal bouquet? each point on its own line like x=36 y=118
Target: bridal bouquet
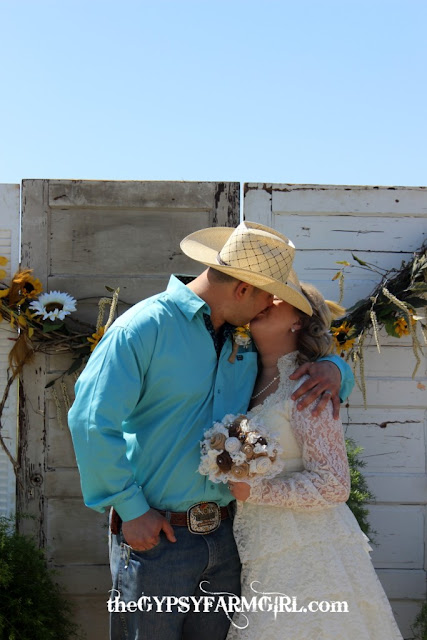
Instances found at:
x=239 y=449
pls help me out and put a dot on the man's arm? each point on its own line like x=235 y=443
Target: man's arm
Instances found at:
x=106 y=394
x=331 y=378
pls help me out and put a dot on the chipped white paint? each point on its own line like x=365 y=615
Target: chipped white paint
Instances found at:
x=9 y=248
x=382 y=226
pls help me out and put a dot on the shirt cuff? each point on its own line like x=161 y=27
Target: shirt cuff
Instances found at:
x=133 y=507
x=347 y=377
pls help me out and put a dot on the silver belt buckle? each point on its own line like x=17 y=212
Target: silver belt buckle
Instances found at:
x=203 y=517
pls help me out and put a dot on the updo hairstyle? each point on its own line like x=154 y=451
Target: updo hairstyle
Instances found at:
x=314 y=338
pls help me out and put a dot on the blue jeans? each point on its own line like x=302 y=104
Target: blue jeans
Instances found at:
x=172 y=569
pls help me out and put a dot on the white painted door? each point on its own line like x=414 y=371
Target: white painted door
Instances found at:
x=382 y=226
x=9 y=248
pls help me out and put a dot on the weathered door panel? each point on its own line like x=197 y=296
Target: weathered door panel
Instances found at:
x=9 y=248
x=382 y=226
x=79 y=236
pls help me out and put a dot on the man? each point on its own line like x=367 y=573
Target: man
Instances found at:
x=159 y=378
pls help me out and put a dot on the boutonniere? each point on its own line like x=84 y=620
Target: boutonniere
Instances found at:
x=241 y=338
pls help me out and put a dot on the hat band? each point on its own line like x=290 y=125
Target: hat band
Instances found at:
x=221 y=261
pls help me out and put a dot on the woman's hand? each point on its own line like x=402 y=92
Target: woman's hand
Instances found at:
x=240 y=490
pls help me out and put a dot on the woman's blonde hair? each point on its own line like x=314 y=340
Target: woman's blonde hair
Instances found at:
x=315 y=338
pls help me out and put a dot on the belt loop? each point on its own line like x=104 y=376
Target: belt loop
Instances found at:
x=168 y=516
x=231 y=508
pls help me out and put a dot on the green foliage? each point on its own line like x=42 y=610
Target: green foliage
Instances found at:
x=419 y=628
x=406 y=283
x=32 y=606
x=390 y=326
x=359 y=492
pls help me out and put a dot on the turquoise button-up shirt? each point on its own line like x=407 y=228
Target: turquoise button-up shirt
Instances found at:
x=151 y=388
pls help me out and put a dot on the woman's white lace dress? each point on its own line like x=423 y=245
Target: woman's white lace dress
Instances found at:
x=296 y=536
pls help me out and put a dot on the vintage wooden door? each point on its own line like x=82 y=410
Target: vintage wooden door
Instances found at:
x=79 y=236
x=382 y=226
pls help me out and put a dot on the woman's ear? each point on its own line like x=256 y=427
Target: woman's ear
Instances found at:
x=297 y=325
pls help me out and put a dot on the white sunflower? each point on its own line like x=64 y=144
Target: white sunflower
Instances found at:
x=53 y=305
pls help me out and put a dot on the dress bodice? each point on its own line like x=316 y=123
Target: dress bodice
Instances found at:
x=275 y=414
x=316 y=473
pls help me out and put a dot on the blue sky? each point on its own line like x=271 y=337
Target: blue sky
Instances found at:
x=308 y=91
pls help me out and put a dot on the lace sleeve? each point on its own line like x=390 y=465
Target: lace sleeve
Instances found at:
x=325 y=479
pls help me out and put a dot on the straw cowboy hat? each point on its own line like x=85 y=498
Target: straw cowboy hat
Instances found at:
x=251 y=253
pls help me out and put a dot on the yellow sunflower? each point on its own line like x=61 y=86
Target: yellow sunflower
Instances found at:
x=401 y=325
x=3 y=262
x=242 y=335
x=23 y=287
x=29 y=287
x=96 y=337
x=343 y=336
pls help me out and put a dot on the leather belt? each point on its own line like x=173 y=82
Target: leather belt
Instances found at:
x=181 y=519
x=184 y=518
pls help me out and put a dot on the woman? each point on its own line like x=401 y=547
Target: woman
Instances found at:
x=295 y=534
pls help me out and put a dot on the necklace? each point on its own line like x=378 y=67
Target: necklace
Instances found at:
x=265 y=388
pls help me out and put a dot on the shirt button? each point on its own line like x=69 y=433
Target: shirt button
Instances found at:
x=219 y=391
x=212 y=486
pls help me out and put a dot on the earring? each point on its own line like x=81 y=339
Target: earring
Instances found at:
x=293 y=330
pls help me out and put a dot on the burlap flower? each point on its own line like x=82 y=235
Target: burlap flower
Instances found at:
x=261 y=465
x=218 y=441
x=248 y=450
x=232 y=445
x=224 y=461
x=240 y=471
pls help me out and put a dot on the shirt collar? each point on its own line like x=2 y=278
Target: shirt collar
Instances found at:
x=185 y=299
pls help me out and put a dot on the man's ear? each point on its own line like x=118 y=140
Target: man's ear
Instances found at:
x=241 y=290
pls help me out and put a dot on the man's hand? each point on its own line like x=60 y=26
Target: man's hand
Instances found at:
x=324 y=382
x=240 y=490
x=143 y=533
